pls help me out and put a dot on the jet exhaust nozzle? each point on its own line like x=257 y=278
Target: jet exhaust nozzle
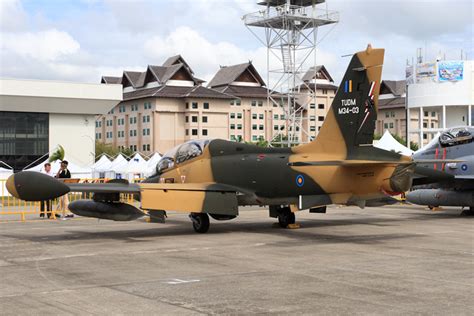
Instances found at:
x=35 y=186
x=115 y=211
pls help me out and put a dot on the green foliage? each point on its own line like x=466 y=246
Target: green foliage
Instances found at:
x=377 y=136
x=57 y=155
x=414 y=146
x=111 y=151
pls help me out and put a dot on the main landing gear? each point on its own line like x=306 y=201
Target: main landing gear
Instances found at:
x=468 y=212
x=284 y=214
x=200 y=222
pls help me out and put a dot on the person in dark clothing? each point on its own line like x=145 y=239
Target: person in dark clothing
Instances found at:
x=64 y=173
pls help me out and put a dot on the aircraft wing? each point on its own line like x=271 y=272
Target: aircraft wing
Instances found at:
x=362 y=163
x=187 y=197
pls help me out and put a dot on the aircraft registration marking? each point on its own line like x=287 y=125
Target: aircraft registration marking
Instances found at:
x=348 y=106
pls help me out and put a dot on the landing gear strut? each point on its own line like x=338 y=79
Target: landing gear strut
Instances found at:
x=200 y=222
x=285 y=217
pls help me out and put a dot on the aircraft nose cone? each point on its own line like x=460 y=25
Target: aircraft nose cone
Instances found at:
x=35 y=186
x=10 y=184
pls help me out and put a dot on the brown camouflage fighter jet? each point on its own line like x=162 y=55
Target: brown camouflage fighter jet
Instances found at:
x=215 y=177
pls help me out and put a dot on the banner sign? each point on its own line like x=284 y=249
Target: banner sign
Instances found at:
x=450 y=70
x=426 y=72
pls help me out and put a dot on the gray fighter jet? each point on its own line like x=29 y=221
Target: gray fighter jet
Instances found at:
x=455 y=143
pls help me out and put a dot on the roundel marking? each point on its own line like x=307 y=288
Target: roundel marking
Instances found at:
x=464 y=167
x=299 y=180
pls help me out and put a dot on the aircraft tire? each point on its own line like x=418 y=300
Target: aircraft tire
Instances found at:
x=200 y=222
x=468 y=212
x=286 y=217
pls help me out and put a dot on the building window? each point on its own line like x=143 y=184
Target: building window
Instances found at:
x=254 y=126
x=147 y=106
x=232 y=102
x=133 y=120
x=391 y=125
x=282 y=117
x=312 y=128
x=232 y=115
x=194 y=105
x=433 y=114
x=239 y=115
x=194 y=132
x=392 y=114
x=206 y=105
x=204 y=119
x=239 y=126
x=426 y=113
x=385 y=125
x=425 y=125
x=186 y=119
x=254 y=116
x=134 y=107
x=194 y=119
x=254 y=103
x=325 y=91
x=146 y=131
x=432 y=125
x=312 y=118
x=187 y=105
x=260 y=127
x=320 y=106
x=232 y=138
x=237 y=102
x=254 y=138
x=187 y=132
x=260 y=103
x=275 y=116
x=232 y=126
x=275 y=127
x=146 y=119
x=204 y=132
x=320 y=118
x=425 y=136
x=260 y=116
x=387 y=114
x=312 y=106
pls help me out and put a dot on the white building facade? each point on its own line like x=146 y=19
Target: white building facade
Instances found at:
x=441 y=91
x=36 y=116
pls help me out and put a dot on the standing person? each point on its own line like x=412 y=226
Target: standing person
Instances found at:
x=64 y=173
x=46 y=205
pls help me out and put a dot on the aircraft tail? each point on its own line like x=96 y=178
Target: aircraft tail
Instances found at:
x=350 y=121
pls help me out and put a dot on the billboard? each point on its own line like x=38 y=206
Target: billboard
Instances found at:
x=425 y=72
x=450 y=70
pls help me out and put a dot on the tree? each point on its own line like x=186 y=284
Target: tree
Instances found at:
x=110 y=150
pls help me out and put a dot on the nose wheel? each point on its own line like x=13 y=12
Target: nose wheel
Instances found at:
x=200 y=222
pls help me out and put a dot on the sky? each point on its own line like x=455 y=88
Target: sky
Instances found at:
x=82 y=40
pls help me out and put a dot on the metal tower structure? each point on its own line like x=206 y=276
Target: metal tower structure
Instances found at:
x=290 y=36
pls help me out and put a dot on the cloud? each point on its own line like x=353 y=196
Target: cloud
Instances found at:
x=12 y=15
x=46 y=45
x=203 y=56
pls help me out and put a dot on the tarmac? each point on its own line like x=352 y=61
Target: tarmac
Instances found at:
x=384 y=260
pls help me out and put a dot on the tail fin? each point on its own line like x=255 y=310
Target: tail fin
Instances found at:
x=350 y=121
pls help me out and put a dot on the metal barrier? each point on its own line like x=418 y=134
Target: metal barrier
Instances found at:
x=10 y=205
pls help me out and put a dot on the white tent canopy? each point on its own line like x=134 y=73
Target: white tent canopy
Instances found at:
x=151 y=164
x=119 y=164
x=4 y=174
x=136 y=168
x=387 y=142
x=102 y=168
x=76 y=170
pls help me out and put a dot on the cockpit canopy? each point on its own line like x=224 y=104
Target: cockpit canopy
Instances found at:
x=181 y=153
x=456 y=136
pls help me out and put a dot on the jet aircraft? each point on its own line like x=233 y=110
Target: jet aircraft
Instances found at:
x=214 y=177
x=454 y=143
